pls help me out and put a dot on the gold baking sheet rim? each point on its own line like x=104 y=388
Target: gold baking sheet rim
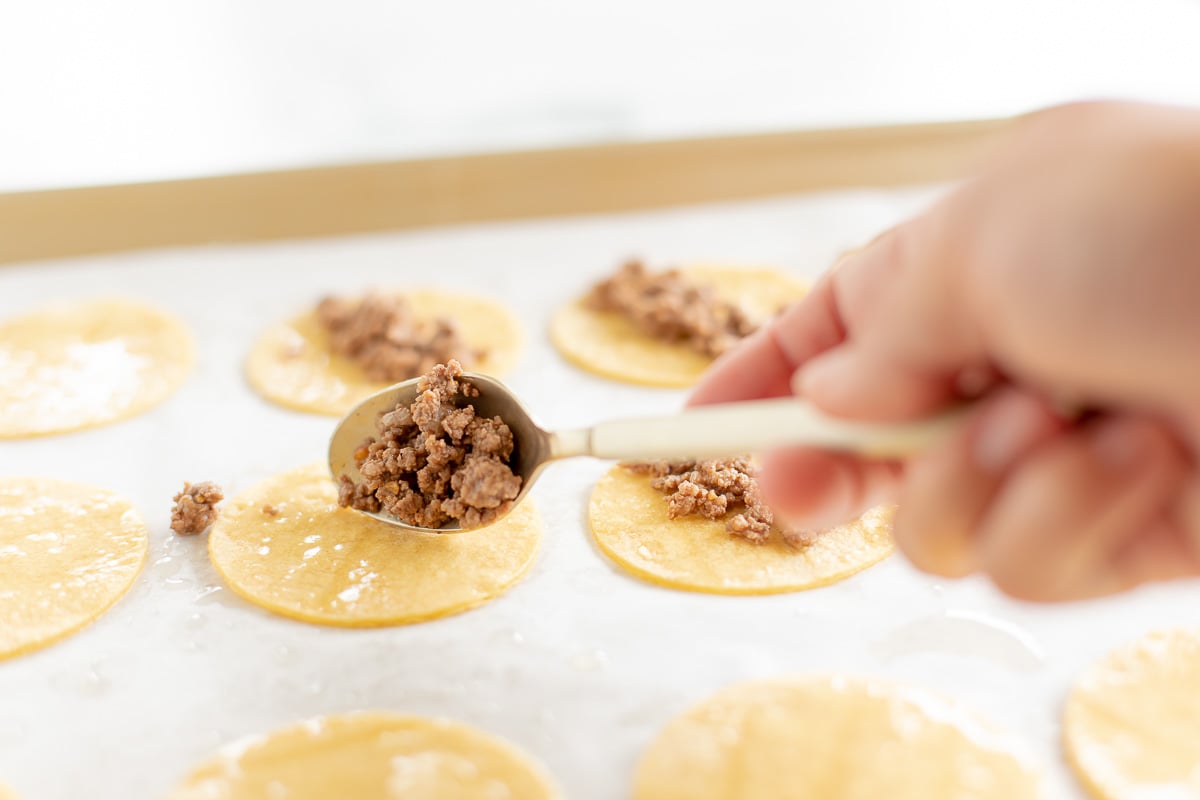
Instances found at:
x=396 y=195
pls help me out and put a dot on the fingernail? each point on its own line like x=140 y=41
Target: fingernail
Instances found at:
x=826 y=370
x=796 y=382
x=846 y=255
x=1120 y=444
x=829 y=516
x=1007 y=431
x=831 y=512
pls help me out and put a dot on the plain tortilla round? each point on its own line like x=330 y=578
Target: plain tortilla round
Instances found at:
x=291 y=364
x=607 y=344
x=319 y=563
x=1132 y=722
x=84 y=364
x=68 y=552
x=831 y=738
x=629 y=522
x=369 y=756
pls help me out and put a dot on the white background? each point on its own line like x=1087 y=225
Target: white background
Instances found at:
x=578 y=664
x=121 y=90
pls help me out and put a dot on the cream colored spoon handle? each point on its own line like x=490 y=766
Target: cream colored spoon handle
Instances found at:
x=750 y=427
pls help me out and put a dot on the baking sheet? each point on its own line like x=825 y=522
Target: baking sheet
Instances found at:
x=578 y=664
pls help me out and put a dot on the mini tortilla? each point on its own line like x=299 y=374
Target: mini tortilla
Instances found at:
x=318 y=563
x=630 y=524
x=1132 y=722
x=68 y=552
x=369 y=756
x=89 y=363
x=831 y=738
x=610 y=345
x=291 y=364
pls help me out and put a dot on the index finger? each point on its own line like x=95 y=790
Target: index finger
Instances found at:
x=762 y=365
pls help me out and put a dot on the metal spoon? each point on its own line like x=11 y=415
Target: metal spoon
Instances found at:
x=707 y=432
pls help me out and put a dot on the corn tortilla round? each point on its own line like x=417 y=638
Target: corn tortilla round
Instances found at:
x=629 y=523
x=310 y=560
x=291 y=364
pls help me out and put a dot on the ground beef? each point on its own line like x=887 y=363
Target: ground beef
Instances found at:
x=381 y=333
x=195 y=508
x=665 y=305
x=714 y=489
x=435 y=461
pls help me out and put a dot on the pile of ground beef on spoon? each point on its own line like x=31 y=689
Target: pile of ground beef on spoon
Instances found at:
x=435 y=460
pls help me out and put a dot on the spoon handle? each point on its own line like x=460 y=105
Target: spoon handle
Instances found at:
x=751 y=427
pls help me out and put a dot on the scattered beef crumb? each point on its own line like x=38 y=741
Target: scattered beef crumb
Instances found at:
x=195 y=508
x=714 y=489
x=665 y=305
x=435 y=460
x=270 y=510
x=381 y=333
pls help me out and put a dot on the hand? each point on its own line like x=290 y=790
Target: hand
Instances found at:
x=1067 y=275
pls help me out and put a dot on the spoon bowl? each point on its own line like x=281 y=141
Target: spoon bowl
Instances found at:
x=531 y=444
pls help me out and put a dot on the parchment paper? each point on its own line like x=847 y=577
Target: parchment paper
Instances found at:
x=579 y=664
